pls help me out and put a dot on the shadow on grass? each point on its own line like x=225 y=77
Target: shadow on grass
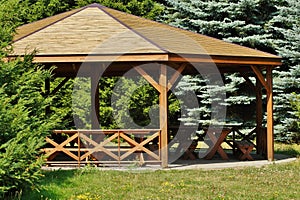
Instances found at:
x=291 y=150
x=58 y=179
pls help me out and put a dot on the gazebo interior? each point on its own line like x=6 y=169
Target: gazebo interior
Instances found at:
x=96 y=41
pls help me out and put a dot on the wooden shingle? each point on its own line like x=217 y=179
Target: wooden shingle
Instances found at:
x=101 y=31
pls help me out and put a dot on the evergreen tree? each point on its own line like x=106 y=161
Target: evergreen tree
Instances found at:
x=285 y=28
x=271 y=26
x=33 y=10
x=23 y=122
x=239 y=21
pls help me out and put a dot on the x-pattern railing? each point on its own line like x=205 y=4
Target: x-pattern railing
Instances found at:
x=90 y=142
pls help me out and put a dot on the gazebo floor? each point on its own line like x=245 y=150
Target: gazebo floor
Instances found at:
x=233 y=162
x=180 y=164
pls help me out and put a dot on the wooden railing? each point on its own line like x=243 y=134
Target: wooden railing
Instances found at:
x=233 y=133
x=103 y=146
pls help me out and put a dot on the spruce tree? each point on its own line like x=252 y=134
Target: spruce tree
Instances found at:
x=285 y=28
x=23 y=122
x=271 y=26
x=238 y=21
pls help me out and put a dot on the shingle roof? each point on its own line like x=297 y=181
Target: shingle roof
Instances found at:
x=96 y=29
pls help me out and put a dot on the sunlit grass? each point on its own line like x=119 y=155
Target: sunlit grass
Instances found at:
x=277 y=181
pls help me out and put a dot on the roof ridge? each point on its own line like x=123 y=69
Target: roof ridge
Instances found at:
x=125 y=25
x=50 y=24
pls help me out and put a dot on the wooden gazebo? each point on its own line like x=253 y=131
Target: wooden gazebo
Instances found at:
x=80 y=36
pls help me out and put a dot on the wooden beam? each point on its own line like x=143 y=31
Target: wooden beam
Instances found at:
x=231 y=60
x=260 y=77
x=175 y=76
x=163 y=115
x=270 y=125
x=60 y=85
x=148 y=78
x=95 y=58
x=217 y=59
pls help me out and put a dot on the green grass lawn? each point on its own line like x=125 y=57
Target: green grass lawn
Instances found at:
x=278 y=181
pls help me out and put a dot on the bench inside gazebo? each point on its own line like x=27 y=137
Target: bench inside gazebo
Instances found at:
x=96 y=41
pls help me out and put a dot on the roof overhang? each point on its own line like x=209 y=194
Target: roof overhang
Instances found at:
x=97 y=34
x=68 y=65
x=159 y=57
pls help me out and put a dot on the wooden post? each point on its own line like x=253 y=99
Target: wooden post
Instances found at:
x=79 y=146
x=162 y=87
x=270 y=128
x=95 y=104
x=163 y=113
x=259 y=117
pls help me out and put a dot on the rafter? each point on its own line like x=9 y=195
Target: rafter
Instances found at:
x=260 y=77
x=175 y=76
x=148 y=78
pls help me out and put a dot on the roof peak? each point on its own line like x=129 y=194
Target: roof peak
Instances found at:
x=77 y=31
x=93 y=5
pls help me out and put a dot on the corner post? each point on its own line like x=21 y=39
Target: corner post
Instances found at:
x=270 y=125
x=163 y=113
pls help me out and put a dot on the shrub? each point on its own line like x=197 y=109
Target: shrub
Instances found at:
x=23 y=124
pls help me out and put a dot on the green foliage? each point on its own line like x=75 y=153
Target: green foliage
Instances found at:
x=295 y=101
x=23 y=122
x=106 y=112
x=21 y=162
x=240 y=21
x=9 y=21
x=61 y=103
x=135 y=104
x=146 y=8
x=286 y=87
x=210 y=100
x=285 y=30
x=122 y=100
x=193 y=116
x=33 y=10
x=271 y=26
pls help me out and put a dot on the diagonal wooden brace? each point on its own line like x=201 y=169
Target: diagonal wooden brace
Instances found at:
x=60 y=147
x=100 y=146
x=139 y=146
